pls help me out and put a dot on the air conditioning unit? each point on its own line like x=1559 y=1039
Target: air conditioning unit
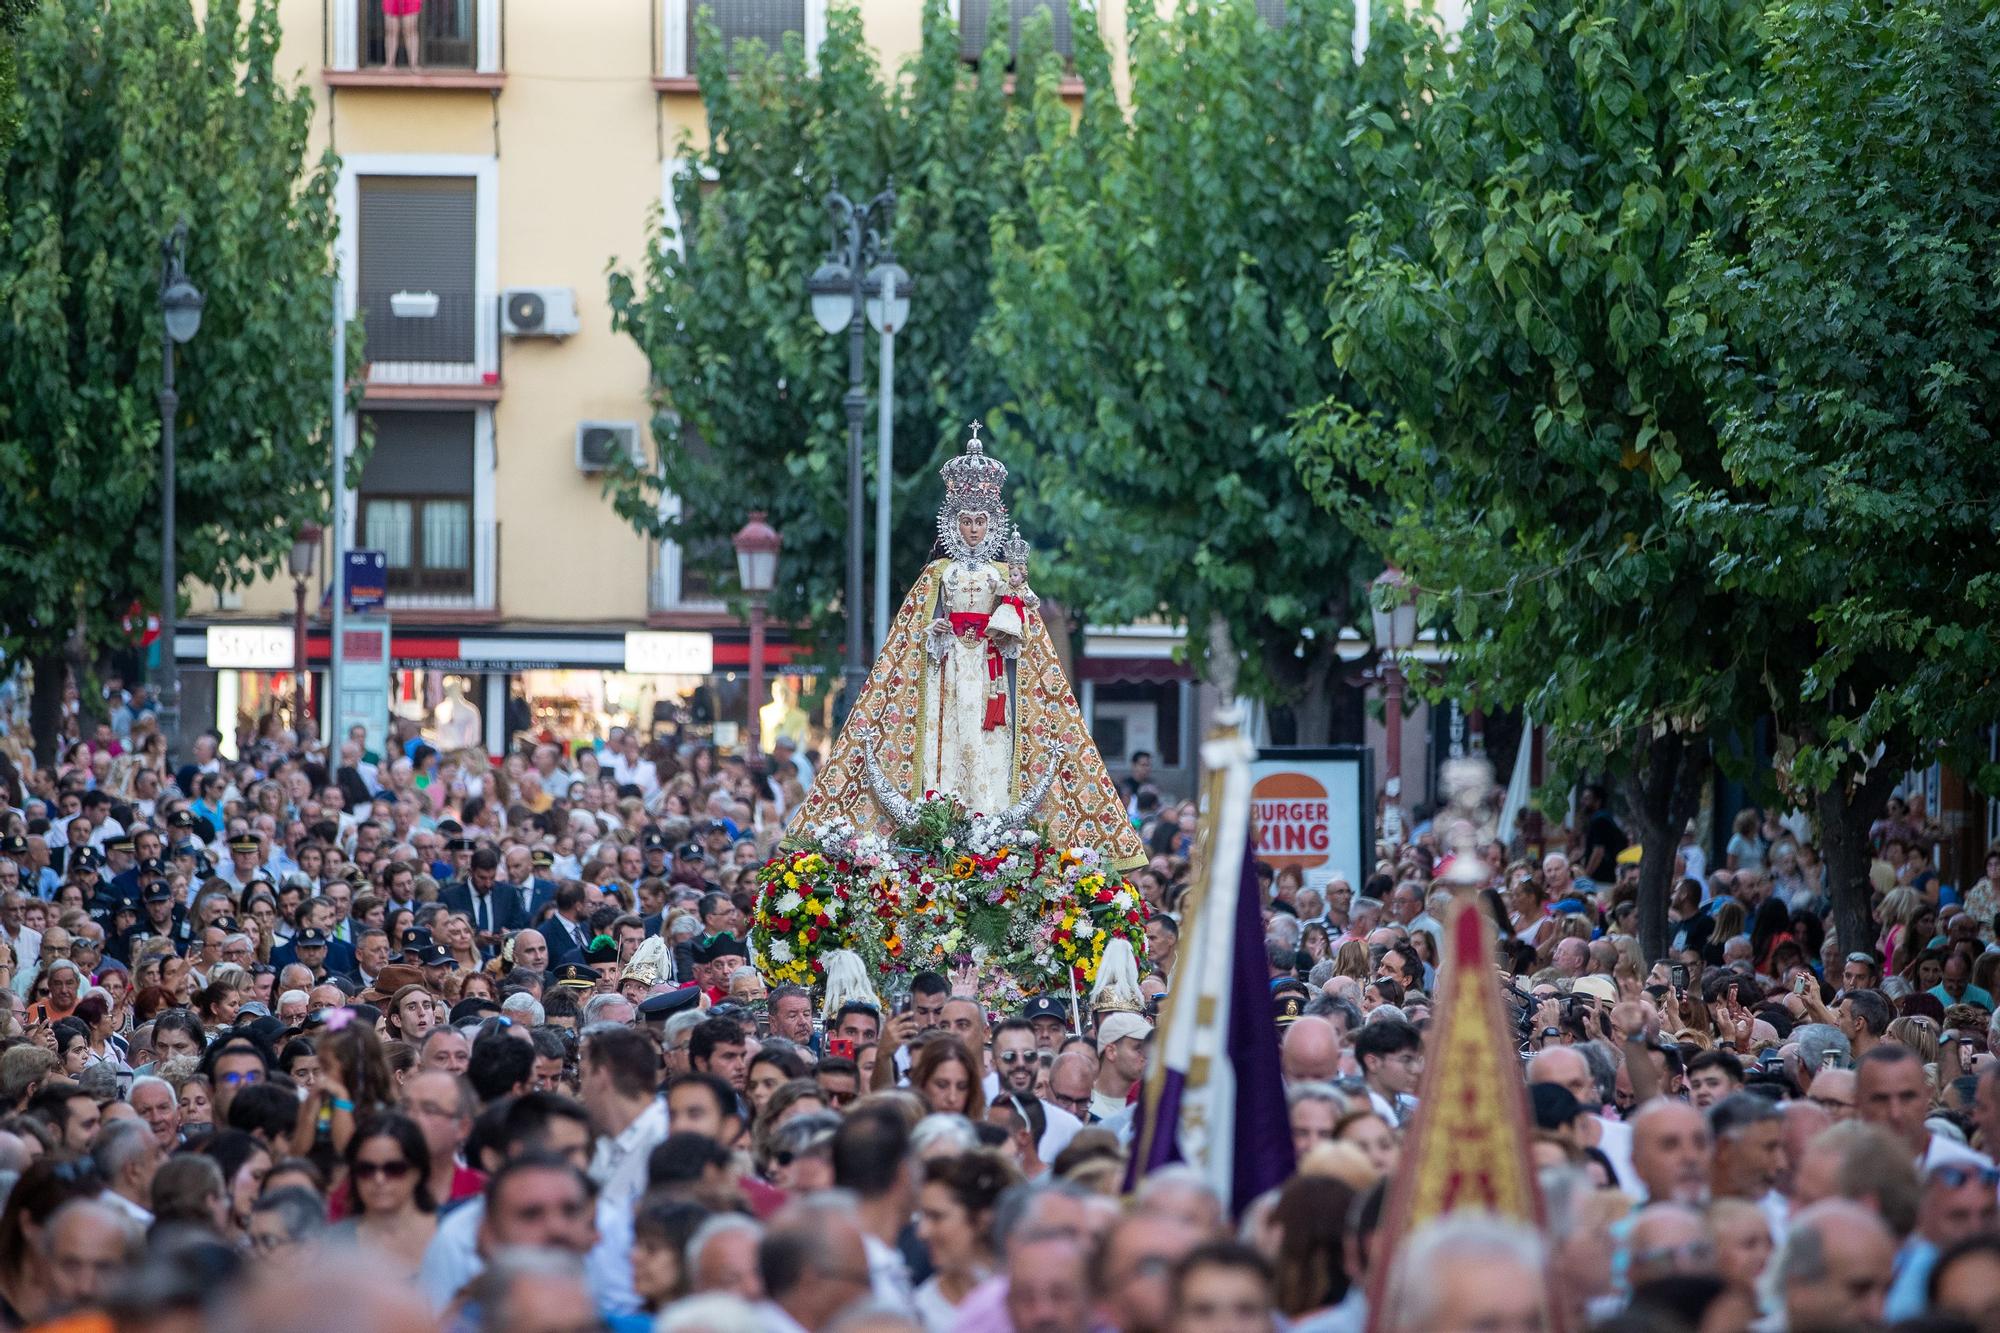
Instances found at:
x=598 y=442
x=538 y=312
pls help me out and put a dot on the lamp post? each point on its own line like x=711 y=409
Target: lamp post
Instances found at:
x=839 y=291
x=888 y=310
x=180 y=319
x=1395 y=613
x=305 y=547
x=756 y=544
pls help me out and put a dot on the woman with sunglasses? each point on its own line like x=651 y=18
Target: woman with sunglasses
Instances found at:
x=391 y=1209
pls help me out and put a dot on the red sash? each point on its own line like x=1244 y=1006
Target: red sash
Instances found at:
x=972 y=625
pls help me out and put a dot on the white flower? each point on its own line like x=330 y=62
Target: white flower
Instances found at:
x=832 y=908
x=951 y=844
x=781 y=952
x=787 y=904
x=1084 y=930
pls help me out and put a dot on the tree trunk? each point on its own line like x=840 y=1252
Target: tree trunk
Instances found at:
x=1845 y=812
x=1664 y=791
x=45 y=704
x=1307 y=686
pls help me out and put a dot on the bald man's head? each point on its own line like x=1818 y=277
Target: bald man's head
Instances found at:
x=1311 y=1051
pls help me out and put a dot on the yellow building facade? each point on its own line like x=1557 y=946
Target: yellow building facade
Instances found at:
x=483 y=190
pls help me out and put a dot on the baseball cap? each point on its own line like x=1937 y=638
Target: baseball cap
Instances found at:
x=1046 y=1006
x=1597 y=987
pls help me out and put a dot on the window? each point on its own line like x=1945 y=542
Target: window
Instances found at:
x=765 y=21
x=447 y=35
x=416 y=500
x=1272 y=12
x=976 y=17
x=418 y=293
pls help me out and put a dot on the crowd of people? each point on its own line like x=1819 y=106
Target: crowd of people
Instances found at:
x=300 y=1041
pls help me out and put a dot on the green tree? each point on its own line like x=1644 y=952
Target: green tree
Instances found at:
x=1156 y=307
x=749 y=391
x=1848 y=337
x=133 y=115
x=1506 y=296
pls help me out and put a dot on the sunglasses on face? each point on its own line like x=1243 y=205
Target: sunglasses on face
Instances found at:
x=396 y=1170
x=1958 y=1177
x=1015 y=1057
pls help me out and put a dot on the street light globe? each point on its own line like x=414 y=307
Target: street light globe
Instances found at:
x=182 y=303
x=888 y=298
x=757 y=544
x=832 y=290
x=304 y=547
x=1395 y=610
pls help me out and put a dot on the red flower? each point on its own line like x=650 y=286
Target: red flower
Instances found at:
x=823 y=921
x=840 y=894
x=843 y=867
x=812 y=935
x=1105 y=895
x=783 y=925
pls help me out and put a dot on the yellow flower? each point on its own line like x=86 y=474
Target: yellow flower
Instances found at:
x=791 y=880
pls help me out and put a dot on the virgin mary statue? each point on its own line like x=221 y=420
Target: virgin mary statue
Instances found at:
x=968 y=696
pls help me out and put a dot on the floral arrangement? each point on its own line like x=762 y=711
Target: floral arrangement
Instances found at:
x=805 y=904
x=1095 y=910
x=955 y=892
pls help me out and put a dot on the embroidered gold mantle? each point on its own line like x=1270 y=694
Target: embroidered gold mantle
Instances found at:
x=1082 y=807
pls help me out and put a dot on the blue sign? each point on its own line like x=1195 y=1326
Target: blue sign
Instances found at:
x=367 y=580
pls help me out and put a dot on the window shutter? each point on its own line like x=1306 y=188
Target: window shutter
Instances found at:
x=975 y=18
x=418 y=235
x=1272 y=12
x=419 y=453
x=765 y=21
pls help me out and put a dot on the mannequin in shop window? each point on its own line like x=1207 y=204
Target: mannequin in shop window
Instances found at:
x=780 y=717
x=455 y=722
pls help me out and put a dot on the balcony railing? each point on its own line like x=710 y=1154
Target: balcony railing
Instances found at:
x=765 y=20
x=459 y=571
x=453 y=37
x=431 y=339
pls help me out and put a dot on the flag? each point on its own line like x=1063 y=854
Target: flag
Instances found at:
x=1467 y=1148
x=1520 y=785
x=1214 y=1096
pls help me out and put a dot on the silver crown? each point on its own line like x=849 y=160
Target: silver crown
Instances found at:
x=973 y=474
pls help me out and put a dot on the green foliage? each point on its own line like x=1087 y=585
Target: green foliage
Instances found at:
x=1156 y=309
x=133 y=115
x=1506 y=295
x=749 y=390
x=1850 y=340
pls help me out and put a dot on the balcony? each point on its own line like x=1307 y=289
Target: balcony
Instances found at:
x=431 y=345
x=768 y=21
x=459 y=44
x=439 y=559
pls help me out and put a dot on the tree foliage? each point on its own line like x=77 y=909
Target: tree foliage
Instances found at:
x=1506 y=297
x=1848 y=338
x=749 y=390
x=132 y=115
x=1156 y=308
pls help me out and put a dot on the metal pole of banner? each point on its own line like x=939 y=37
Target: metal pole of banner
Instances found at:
x=330 y=712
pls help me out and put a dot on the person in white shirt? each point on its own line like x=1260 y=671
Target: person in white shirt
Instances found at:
x=25 y=940
x=127 y=1154
x=872 y=1158
x=1890 y=1090
x=620 y=1076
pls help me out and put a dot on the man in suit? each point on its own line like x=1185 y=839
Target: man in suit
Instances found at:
x=568 y=931
x=495 y=912
x=521 y=882
x=316 y=916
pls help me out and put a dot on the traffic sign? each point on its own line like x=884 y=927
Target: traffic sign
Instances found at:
x=367 y=580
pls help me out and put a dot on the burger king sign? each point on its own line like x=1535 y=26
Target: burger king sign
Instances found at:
x=1308 y=810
